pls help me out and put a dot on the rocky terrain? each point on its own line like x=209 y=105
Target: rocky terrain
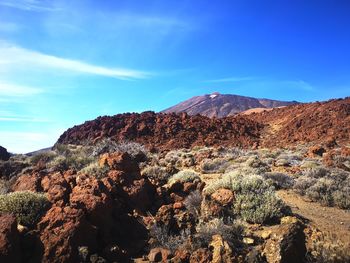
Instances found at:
x=266 y=187
x=117 y=202
x=304 y=123
x=223 y=105
x=167 y=131
x=318 y=123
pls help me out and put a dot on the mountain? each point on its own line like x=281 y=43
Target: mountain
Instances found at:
x=223 y=105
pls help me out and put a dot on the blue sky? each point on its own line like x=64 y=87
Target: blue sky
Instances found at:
x=64 y=62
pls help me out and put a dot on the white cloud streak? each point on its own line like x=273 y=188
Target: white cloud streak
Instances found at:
x=13 y=55
x=30 y=5
x=11 y=90
x=21 y=119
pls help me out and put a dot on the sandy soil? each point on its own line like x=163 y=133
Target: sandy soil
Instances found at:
x=327 y=219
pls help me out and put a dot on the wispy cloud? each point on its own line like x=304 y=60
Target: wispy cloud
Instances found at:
x=14 y=55
x=30 y=5
x=20 y=119
x=299 y=84
x=230 y=79
x=11 y=90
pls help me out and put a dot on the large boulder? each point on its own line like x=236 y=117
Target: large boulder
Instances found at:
x=9 y=239
x=287 y=243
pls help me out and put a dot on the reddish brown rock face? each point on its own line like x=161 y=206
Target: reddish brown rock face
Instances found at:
x=28 y=183
x=167 y=131
x=9 y=239
x=326 y=123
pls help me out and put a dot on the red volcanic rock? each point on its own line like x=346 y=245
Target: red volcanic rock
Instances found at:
x=223 y=196
x=9 y=239
x=62 y=230
x=27 y=182
x=57 y=187
x=325 y=123
x=119 y=161
x=167 y=131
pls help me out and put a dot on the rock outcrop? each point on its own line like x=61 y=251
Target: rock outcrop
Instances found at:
x=9 y=239
x=4 y=155
x=167 y=131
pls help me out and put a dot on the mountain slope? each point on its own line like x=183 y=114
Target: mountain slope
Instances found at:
x=223 y=105
x=307 y=122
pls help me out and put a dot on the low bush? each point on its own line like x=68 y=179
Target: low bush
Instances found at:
x=279 y=180
x=230 y=232
x=256 y=201
x=328 y=249
x=330 y=187
x=184 y=176
x=96 y=170
x=27 y=206
x=217 y=165
x=193 y=203
x=156 y=172
x=165 y=239
x=4 y=187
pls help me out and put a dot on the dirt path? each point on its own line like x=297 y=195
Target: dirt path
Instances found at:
x=327 y=219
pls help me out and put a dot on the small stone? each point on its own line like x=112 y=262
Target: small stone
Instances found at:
x=248 y=241
x=289 y=220
x=21 y=229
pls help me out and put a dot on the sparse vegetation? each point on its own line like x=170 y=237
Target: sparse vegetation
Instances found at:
x=27 y=206
x=231 y=232
x=329 y=187
x=156 y=173
x=327 y=248
x=183 y=176
x=193 y=203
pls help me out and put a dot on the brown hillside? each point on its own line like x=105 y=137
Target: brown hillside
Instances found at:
x=304 y=123
x=167 y=131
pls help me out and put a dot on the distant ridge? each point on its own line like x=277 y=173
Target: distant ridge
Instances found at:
x=223 y=105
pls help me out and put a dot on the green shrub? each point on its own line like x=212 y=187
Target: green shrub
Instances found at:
x=156 y=173
x=4 y=187
x=43 y=156
x=96 y=170
x=262 y=208
x=26 y=206
x=217 y=165
x=279 y=180
x=184 y=176
x=330 y=187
